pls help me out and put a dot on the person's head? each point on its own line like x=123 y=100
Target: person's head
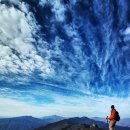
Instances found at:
x=112 y=106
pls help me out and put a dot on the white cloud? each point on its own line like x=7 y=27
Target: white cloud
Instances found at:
x=127 y=31
x=90 y=106
x=42 y=2
x=126 y=34
x=18 y=54
x=59 y=10
x=57 y=7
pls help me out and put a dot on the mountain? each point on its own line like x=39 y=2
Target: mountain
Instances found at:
x=78 y=123
x=99 y=119
x=123 y=122
x=21 y=123
x=53 y=118
x=54 y=122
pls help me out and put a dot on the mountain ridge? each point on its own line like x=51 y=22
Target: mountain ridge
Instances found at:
x=77 y=123
x=21 y=123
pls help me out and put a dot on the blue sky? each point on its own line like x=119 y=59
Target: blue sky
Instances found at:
x=68 y=59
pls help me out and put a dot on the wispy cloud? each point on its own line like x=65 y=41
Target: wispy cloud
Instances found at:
x=55 y=59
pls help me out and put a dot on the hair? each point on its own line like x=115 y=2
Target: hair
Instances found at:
x=112 y=106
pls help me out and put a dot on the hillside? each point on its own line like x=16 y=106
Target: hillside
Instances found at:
x=21 y=123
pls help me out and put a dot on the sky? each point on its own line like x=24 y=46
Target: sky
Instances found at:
x=67 y=58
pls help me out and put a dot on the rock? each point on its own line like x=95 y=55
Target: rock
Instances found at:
x=94 y=126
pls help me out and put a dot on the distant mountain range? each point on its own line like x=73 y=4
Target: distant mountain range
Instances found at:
x=27 y=122
x=53 y=122
x=21 y=123
x=123 y=122
x=53 y=118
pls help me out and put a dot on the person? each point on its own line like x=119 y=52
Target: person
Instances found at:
x=112 y=118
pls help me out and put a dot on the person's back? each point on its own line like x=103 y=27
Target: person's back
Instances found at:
x=112 y=118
